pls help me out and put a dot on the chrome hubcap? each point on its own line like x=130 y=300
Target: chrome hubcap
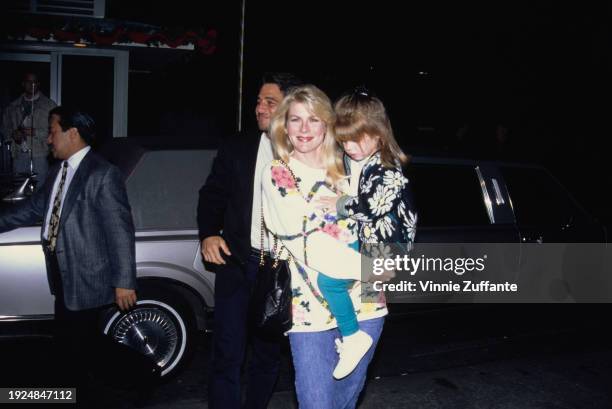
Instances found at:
x=151 y=331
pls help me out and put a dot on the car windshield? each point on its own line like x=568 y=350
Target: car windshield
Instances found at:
x=163 y=188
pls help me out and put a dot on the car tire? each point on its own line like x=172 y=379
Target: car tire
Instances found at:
x=159 y=326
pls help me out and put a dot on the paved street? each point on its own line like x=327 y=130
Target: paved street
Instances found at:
x=548 y=357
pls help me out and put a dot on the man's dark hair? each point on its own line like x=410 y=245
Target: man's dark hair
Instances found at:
x=71 y=118
x=30 y=72
x=285 y=81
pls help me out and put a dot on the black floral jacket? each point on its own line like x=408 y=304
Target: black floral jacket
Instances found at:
x=384 y=207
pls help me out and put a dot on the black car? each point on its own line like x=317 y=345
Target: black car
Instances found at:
x=471 y=201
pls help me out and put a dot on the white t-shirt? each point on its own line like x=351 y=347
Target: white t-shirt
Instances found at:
x=264 y=156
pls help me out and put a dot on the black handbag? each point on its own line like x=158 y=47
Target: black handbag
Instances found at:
x=270 y=309
x=271 y=299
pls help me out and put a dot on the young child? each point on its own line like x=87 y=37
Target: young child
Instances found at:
x=380 y=201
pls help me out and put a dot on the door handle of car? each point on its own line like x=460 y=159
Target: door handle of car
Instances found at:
x=499 y=198
x=569 y=223
x=539 y=239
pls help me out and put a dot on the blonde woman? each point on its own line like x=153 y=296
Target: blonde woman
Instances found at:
x=308 y=166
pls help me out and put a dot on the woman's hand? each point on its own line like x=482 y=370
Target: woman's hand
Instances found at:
x=326 y=202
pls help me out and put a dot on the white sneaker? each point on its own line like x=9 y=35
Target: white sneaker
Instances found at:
x=351 y=350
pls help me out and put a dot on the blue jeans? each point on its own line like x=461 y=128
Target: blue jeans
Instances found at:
x=314 y=360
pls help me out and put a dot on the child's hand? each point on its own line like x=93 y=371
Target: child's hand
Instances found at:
x=326 y=202
x=385 y=276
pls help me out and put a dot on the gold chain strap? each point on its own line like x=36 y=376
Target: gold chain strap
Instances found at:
x=277 y=255
x=261 y=243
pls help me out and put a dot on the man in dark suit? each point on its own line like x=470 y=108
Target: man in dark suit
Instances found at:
x=229 y=216
x=87 y=234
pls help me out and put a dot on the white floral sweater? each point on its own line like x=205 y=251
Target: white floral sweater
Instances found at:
x=316 y=240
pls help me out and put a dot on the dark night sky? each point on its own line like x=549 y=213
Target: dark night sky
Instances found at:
x=539 y=67
x=523 y=61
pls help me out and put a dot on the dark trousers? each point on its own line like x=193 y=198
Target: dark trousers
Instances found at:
x=78 y=337
x=229 y=345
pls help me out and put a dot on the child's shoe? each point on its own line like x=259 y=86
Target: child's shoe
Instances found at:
x=351 y=349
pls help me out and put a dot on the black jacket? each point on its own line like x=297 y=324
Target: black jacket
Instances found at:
x=226 y=203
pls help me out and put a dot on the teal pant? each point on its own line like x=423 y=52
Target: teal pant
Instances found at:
x=336 y=293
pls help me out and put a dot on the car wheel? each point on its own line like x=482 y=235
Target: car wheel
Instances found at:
x=157 y=327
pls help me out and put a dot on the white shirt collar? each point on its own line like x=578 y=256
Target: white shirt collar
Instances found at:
x=75 y=160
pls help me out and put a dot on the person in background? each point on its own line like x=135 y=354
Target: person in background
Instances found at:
x=24 y=123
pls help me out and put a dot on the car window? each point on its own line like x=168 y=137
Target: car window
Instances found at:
x=447 y=195
x=538 y=199
x=163 y=188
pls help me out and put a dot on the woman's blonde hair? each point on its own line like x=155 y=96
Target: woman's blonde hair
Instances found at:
x=319 y=105
x=359 y=114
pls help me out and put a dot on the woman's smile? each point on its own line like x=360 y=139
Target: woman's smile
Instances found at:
x=305 y=139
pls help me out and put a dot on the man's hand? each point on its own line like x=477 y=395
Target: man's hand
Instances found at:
x=125 y=298
x=211 y=247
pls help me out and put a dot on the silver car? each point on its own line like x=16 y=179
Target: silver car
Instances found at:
x=175 y=290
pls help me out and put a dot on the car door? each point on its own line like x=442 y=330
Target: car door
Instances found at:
x=455 y=204
x=545 y=211
x=459 y=215
x=24 y=288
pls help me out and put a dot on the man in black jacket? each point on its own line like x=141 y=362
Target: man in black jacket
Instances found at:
x=230 y=202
